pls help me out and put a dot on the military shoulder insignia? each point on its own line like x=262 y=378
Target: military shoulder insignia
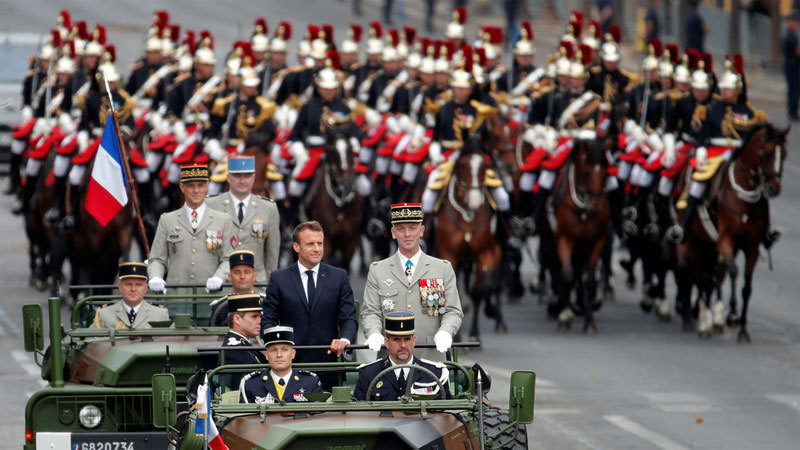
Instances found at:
x=433 y=363
x=233 y=341
x=388 y=281
x=266 y=198
x=369 y=363
x=305 y=372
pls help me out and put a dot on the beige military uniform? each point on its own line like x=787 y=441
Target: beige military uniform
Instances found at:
x=259 y=231
x=115 y=315
x=189 y=256
x=388 y=290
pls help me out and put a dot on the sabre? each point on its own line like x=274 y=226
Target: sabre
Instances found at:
x=234 y=102
x=645 y=102
x=48 y=94
x=35 y=83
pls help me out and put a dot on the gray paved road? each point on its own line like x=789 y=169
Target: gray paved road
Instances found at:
x=637 y=384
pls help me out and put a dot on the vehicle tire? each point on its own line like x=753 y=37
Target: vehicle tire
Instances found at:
x=495 y=420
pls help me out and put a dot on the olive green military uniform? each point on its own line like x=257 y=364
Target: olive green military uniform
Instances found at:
x=388 y=290
x=259 y=231
x=115 y=315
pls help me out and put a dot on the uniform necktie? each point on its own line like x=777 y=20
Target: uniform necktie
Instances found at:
x=280 y=388
x=241 y=212
x=402 y=380
x=310 y=286
x=409 y=266
x=131 y=316
x=195 y=222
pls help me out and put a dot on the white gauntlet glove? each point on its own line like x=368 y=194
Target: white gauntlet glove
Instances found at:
x=213 y=284
x=374 y=342
x=443 y=341
x=157 y=285
x=701 y=155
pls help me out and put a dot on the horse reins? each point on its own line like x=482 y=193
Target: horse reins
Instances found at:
x=582 y=209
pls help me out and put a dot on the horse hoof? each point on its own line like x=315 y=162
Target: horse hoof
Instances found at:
x=704 y=335
x=743 y=337
x=665 y=317
x=732 y=320
x=590 y=329
x=718 y=329
x=646 y=304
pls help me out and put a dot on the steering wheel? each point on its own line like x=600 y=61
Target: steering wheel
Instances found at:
x=413 y=367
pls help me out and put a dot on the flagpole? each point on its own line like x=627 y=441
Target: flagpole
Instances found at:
x=127 y=168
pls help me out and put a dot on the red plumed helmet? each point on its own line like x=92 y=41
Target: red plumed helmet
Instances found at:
x=394 y=35
x=313 y=31
x=55 y=37
x=71 y=47
x=205 y=34
x=357 y=30
x=248 y=57
x=333 y=57
x=328 y=29
x=577 y=29
x=83 y=32
x=287 y=30
x=738 y=64
x=460 y=15
x=481 y=52
x=65 y=17
x=161 y=18
x=526 y=26
x=657 y=47
x=100 y=34
x=260 y=22
x=673 y=53
x=616 y=33
x=693 y=57
x=466 y=50
x=594 y=25
x=451 y=49
x=708 y=62
x=190 y=41
x=112 y=50
x=576 y=16
x=376 y=29
x=410 y=34
x=174 y=32
x=586 y=54
x=568 y=49
x=497 y=36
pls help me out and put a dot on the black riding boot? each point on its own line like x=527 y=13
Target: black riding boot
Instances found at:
x=677 y=233
x=616 y=199
x=27 y=195
x=14 y=178
x=147 y=202
x=539 y=206
x=57 y=207
x=292 y=212
x=70 y=221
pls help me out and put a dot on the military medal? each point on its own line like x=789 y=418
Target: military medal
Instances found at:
x=379 y=384
x=258 y=230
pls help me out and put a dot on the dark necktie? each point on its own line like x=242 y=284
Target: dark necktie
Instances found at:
x=310 y=286
x=402 y=380
x=131 y=316
x=241 y=212
x=281 y=382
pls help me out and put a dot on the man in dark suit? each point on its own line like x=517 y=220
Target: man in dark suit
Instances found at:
x=279 y=383
x=400 y=340
x=244 y=323
x=313 y=298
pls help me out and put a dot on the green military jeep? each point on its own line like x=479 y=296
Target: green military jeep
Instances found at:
x=99 y=394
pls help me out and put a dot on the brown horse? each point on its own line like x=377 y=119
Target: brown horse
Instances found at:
x=465 y=233
x=754 y=173
x=583 y=214
x=333 y=200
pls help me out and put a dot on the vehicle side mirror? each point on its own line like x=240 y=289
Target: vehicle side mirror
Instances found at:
x=486 y=380
x=520 y=397
x=165 y=401
x=34 y=328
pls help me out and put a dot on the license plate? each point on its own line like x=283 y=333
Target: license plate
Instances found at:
x=119 y=441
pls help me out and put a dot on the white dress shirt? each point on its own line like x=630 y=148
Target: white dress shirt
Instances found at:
x=285 y=378
x=414 y=261
x=200 y=211
x=304 y=277
x=236 y=202
x=404 y=369
x=135 y=308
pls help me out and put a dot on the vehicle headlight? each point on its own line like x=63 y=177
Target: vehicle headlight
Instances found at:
x=90 y=416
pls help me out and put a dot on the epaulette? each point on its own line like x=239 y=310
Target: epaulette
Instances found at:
x=369 y=363
x=219 y=105
x=218 y=301
x=543 y=91
x=180 y=78
x=371 y=77
x=630 y=75
x=266 y=198
x=438 y=365
x=595 y=69
x=268 y=107
x=306 y=372
x=250 y=375
x=135 y=66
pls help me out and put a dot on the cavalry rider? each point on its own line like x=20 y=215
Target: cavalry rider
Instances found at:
x=575 y=116
x=456 y=120
x=307 y=135
x=348 y=51
x=145 y=68
x=302 y=81
x=374 y=52
x=608 y=80
x=523 y=73
x=728 y=119
x=272 y=85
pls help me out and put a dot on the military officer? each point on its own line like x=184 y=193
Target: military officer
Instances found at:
x=400 y=341
x=243 y=279
x=132 y=311
x=415 y=282
x=254 y=219
x=244 y=323
x=280 y=383
x=192 y=243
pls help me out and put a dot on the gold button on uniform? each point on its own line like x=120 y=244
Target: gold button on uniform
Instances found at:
x=191 y=276
x=192 y=263
x=409 y=291
x=194 y=238
x=194 y=250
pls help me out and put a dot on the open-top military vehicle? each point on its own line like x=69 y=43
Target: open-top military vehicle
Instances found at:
x=335 y=421
x=99 y=394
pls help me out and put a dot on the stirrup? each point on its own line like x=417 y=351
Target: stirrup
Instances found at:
x=68 y=223
x=630 y=213
x=771 y=238
x=52 y=216
x=675 y=234
x=630 y=228
x=650 y=231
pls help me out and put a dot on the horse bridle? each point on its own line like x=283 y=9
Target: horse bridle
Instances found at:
x=582 y=208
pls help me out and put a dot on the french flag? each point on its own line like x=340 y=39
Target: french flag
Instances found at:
x=106 y=194
x=204 y=424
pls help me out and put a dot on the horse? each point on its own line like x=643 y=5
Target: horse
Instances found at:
x=582 y=214
x=41 y=236
x=333 y=199
x=465 y=233
x=754 y=173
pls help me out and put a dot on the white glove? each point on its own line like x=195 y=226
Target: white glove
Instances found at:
x=66 y=123
x=213 y=284
x=157 y=285
x=355 y=144
x=443 y=341
x=531 y=136
x=701 y=156
x=372 y=117
x=27 y=114
x=83 y=140
x=179 y=130
x=655 y=142
x=435 y=153
x=668 y=159
x=629 y=127
x=374 y=341
x=214 y=149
